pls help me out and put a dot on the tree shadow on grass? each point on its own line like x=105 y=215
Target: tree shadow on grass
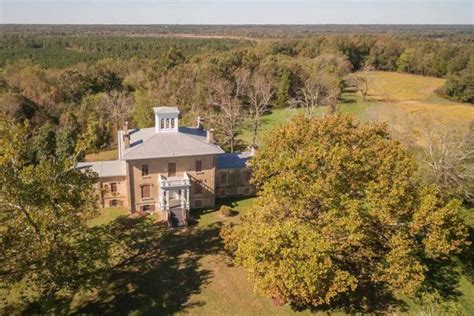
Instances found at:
x=158 y=271
x=466 y=258
x=162 y=286
x=367 y=298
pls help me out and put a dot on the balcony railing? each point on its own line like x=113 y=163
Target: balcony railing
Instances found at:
x=170 y=182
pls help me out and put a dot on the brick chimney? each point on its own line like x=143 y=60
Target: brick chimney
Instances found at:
x=253 y=150
x=126 y=136
x=210 y=136
x=199 y=123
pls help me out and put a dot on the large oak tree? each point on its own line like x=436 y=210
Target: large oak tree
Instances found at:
x=340 y=214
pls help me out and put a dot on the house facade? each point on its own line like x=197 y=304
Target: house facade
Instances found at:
x=169 y=169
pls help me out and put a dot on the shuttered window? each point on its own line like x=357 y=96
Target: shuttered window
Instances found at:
x=113 y=187
x=223 y=178
x=144 y=170
x=145 y=191
x=172 y=169
x=198 y=165
x=197 y=187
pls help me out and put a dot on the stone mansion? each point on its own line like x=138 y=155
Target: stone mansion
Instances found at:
x=169 y=169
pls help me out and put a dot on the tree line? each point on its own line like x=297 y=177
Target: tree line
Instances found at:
x=227 y=81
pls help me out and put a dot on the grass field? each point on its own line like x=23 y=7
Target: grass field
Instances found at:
x=409 y=104
x=404 y=101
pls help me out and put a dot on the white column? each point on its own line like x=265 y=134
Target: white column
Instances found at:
x=181 y=196
x=168 y=200
x=187 y=198
x=162 y=199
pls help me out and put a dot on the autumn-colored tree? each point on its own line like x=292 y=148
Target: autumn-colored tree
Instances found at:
x=340 y=214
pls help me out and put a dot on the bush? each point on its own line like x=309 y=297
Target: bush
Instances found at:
x=225 y=211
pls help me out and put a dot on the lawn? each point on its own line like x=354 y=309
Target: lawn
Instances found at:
x=406 y=102
x=195 y=277
x=110 y=154
x=108 y=214
x=350 y=103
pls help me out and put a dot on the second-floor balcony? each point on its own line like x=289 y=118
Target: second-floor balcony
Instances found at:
x=174 y=182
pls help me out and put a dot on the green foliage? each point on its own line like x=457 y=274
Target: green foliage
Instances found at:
x=461 y=85
x=283 y=90
x=43 y=143
x=340 y=214
x=44 y=210
x=65 y=51
x=142 y=112
x=404 y=63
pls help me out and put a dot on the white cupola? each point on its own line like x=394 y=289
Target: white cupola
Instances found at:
x=166 y=119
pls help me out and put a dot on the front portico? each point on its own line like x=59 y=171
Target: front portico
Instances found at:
x=173 y=199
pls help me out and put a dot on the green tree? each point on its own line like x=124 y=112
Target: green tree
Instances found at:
x=283 y=89
x=44 y=209
x=460 y=86
x=405 y=61
x=143 y=109
x=172 y=58
x=43 y=144
x=340 y=216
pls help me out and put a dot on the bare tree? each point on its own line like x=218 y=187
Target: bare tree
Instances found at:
x=226 y=99
x=362 y=81
x=259 y=92
x=449 y=156
x=316 y=92
x=118 y=105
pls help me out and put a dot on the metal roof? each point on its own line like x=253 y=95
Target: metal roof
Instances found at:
x=146 y=144
x=233 y=160
x=113 y=168
x=166 y=110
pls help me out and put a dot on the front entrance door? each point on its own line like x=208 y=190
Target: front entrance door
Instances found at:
x=172 y=169
x=174 y=195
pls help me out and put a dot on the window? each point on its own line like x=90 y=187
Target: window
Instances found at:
x=162 y=123
x=147 y=208
x=113 y=187
x=114 y=203
x=172 y=169
x=247 y=176
x=223 y=178
x=198 y=165
x=172 y=123
x=167 y=123
x=197 y=187
x=145 y=191
x=144 y=170
x=197 y=203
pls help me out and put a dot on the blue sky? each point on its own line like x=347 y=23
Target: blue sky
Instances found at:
x=238 y=11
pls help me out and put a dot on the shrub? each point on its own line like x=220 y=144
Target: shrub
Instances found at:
x=225 y=211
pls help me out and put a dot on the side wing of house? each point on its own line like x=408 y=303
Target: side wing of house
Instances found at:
x=233 y=175
x=112 y=184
